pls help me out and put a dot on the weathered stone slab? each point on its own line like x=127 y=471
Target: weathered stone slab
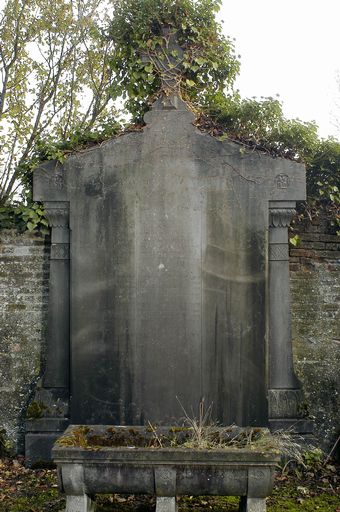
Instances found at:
x=168 y=271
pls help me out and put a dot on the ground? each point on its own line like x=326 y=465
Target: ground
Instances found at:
x=26 y=490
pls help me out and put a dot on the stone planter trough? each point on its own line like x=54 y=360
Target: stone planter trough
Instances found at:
x=141 y=460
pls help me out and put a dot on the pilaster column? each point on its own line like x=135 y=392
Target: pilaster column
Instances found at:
x=57 y=362
x=285 y=394
x=47 y=415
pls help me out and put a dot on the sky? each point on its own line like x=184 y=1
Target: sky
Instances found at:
x=290 y=48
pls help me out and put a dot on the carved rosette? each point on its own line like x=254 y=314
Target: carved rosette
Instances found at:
x=59 y=180
x=60 y=251
x=280 y=217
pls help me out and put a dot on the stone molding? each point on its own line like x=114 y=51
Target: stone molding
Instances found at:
x=280 y=217
x=57 y=214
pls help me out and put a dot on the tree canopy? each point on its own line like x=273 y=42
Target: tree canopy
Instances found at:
x=52 y=55
x=82 y=51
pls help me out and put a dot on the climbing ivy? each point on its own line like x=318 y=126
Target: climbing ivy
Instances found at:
x=27 y=214
x=208 y=71
x=29 y=217
x=208 y=66
x=260 y=124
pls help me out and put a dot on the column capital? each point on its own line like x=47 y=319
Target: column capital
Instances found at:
x=280 y=217
x=57 y=213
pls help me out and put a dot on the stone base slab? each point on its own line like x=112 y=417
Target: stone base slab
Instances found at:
x=38 y=448
x=293 y=425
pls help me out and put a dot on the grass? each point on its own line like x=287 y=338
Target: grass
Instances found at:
x=188 y=437
x=199 y=433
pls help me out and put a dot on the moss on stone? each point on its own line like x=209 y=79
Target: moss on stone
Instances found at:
x=213 y=438
x=6 y=446
x=35 y=410
x=15 y=307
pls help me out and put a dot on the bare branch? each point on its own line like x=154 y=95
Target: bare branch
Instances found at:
x=9 y=165
x=41 y=96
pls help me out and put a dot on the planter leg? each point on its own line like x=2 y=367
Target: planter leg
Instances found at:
x=79 y=504
x=252 y=504
x=166 y=504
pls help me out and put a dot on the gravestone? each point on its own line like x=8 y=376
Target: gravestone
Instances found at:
x=169 y=281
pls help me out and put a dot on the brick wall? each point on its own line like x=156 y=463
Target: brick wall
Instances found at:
x=315 y=288
x=315 y=296
x=23 y=307
x=317 y=245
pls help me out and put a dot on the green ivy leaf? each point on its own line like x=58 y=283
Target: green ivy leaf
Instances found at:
x=200 y=60
x=295 y=240
x=31 y=225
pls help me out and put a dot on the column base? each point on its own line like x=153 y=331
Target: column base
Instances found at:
x=47 y=420
x=288 y=411
x=286 y=403
x=40 y=437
